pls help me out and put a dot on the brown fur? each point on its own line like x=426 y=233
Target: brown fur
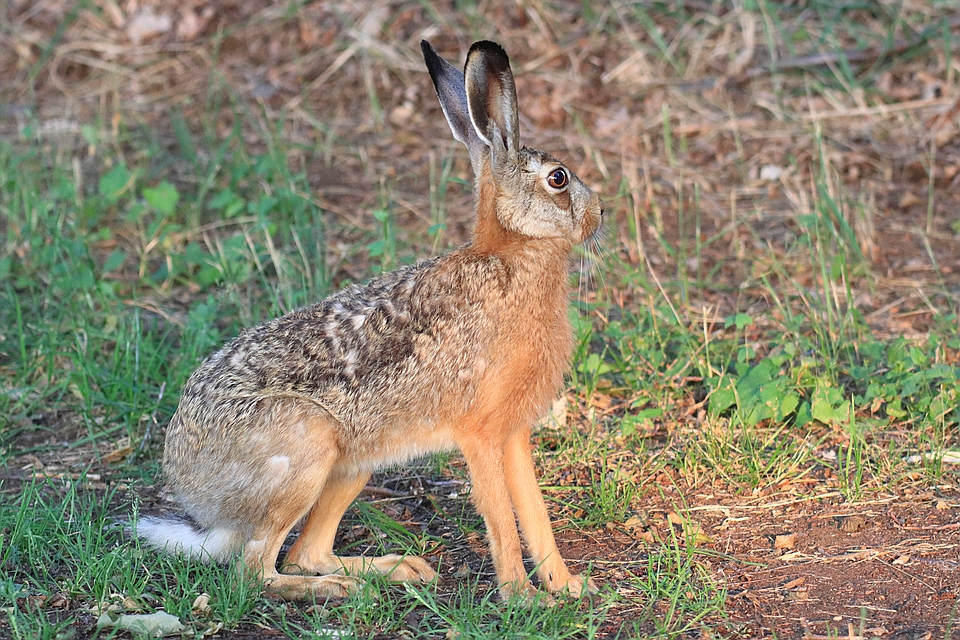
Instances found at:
x=463 y=351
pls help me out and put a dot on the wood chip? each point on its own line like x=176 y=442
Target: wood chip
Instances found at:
x=785 y=541
x=851 y=524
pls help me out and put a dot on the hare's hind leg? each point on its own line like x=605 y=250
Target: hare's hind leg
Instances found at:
x=298 y=479
x=260 y=555
x=534 y=520
x=313 y=550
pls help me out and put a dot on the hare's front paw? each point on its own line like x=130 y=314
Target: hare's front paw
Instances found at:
x=523 y=590
x=575 y=585
x=405 y=568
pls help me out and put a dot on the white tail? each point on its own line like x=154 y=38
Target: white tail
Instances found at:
x=179 y=537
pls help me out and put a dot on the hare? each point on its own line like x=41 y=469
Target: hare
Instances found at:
x=463 y=351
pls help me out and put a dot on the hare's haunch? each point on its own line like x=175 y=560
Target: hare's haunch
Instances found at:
x=464 y=351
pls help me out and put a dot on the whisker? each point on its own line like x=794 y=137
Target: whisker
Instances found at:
x=580 y=287
x=600 y=261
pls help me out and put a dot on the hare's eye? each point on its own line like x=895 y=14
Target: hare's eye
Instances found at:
x=558 y=179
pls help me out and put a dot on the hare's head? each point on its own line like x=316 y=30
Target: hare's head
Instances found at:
x=535 y=194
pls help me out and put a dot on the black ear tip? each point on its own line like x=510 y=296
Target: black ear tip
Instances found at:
x=434 y=64
x=428 y=52
x=489 y=48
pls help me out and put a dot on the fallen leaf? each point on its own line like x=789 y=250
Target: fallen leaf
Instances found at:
x=793 y=584
x=770 y=172
x=908 y=200
x=201 y=606
x=147 y=24
x=691 y=528
x=117 y=455
x=152 y=625
x=558 y=414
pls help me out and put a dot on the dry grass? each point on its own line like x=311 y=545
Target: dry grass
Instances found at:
x=692 y=106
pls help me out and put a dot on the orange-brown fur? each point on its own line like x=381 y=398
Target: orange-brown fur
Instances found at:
x=464 y=351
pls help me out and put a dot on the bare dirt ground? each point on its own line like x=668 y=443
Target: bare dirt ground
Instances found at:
x=797 y=560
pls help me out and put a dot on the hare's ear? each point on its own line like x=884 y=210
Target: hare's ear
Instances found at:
x=448 y=81
x=492 y=98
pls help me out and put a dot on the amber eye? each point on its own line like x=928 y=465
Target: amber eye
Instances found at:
x=558 y=179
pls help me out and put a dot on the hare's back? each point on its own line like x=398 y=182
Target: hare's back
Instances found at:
x=402 y=343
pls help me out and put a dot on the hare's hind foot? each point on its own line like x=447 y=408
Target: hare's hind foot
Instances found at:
x=395 y=568
x=311 y=587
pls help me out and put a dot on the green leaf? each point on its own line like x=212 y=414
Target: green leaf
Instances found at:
x=628 y=426
x=114 y=260
x=788 y=404
x=723 y=396
x=265 y=206
x=163 y=197
x=803 y=415
x=894 y=409
x=741 y=320
x=115 y=182
x=828 y=405
x=223 y=199
x=376 y=248
x=594 y=365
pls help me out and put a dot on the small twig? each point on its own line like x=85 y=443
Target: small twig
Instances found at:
x=153 y=418
x=935 y=527
x=751 y=507
x=909 y=575
x=872 y=54
x=388 y=493
x=809 y=635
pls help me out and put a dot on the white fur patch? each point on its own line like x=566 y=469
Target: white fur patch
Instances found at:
x=349 y=363
x=278 y=464
x=237 y=358
x=177 y=537
x=333 y=332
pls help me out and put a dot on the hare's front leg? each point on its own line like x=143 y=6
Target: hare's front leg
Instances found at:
x=534 y=520
x=312 y=553
x=485 y=458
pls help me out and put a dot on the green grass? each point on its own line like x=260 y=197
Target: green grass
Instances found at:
x=84 y=337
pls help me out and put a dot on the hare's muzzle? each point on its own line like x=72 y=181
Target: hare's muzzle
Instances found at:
x=591 y=218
